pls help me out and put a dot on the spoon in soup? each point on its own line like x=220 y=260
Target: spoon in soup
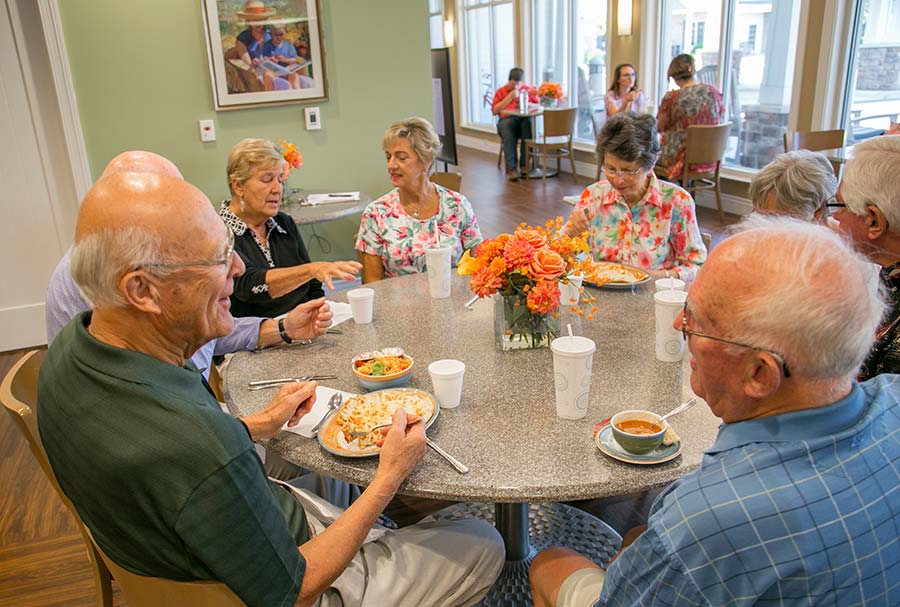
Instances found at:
x=679 y=409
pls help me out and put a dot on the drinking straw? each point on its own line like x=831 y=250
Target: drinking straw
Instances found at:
x=437 y=235
x=569 y=327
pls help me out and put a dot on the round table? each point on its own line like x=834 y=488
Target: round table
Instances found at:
x=317 y=213
x=506 y=429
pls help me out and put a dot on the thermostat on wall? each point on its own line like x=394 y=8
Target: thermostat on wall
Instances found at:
x=313 y=122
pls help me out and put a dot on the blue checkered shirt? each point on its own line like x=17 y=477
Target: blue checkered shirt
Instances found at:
x=795 y=509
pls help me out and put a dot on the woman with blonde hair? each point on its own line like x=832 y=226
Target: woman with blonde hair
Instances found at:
x=396 y=228
x=279 y=272
x=693 y=102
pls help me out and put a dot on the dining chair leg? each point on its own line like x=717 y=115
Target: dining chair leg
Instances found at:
x=572 y=159
x=544 y=166
x=500 y=156
x=719 y=201
x=527 y=160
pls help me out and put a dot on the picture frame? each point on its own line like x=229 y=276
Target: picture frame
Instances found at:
x=264 y=52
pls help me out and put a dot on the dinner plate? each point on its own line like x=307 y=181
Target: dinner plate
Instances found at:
x=608 y=446
x=327 y=433
x=619 y=285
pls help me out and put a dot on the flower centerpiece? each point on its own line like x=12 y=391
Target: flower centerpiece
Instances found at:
x=293 y=159
x=523 y=270
x=550 y=93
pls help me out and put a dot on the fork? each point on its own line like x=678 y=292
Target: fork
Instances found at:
x=333 y=403
x=262 y=384
x=371 y=430
x=458 y=465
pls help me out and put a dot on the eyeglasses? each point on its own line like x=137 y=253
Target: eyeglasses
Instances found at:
x=612 y=172
x=832 y=203
x=225 y=260
x=626 y=75
x=685 y=332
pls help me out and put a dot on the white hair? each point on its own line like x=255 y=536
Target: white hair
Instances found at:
x=820 y=303
x=802 y=181
x=871 y=178
x=99 y=261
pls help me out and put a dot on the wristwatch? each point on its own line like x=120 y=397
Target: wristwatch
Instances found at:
x=284 y=336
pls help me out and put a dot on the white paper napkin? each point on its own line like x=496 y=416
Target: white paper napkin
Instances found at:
x=323 y=395
x=341 y=311
x=314 y=199
x=572 y=200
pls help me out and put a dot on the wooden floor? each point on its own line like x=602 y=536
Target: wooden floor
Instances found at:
x=42 y=558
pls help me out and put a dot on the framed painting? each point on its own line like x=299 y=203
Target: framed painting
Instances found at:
x=264 y=52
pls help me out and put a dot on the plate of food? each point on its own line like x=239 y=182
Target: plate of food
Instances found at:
x=365 y=411
x=613 y=275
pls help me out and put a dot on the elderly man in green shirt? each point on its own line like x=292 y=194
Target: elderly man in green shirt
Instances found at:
x=169 y=485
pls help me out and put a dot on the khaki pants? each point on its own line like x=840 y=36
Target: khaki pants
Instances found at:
x=429 y=564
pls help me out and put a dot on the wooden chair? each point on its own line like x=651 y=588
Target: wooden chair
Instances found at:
x=18 y=392
x=451 y=181
x=705 y=145
x=597 y=126
x=556 y=142
x=815 y=141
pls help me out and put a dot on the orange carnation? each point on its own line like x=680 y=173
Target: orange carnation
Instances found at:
x=547 y=265
x=517 y=253
x=485 y=283
x=544 y=297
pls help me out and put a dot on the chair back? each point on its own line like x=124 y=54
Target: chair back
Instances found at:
x=705 y=143
x=708 y=75
x=813 y=140
x=451 y=181
x=18 y=392
x=559 y=123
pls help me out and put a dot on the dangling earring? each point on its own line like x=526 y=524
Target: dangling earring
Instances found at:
x=241 y=204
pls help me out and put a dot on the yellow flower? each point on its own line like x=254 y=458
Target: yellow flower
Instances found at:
x=468 y=265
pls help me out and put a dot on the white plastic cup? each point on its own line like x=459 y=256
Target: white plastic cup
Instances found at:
x=572 y=360
x=362 y=303
x=669 y=341
x=447 y=381
x=437 y=264
x=570 y=293
x=670 y=284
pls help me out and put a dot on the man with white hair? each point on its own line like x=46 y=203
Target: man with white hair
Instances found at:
x=800 y=184
x=798 y=500
x=168 y=484
x=869 y=214
x=64 y=300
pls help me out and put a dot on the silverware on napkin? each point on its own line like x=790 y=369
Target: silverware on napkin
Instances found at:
x=333 y=403
x=262 y=384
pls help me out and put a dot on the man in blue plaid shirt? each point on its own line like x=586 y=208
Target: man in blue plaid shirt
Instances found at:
x=798 y=500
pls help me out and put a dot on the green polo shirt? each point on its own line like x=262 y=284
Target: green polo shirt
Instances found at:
x=169 y=485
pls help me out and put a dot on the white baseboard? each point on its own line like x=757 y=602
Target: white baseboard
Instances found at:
x=22 y=327
x=730 y=203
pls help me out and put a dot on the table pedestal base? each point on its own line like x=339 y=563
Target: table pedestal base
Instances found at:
x=526 y=531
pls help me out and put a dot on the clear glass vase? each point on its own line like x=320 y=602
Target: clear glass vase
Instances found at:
x=548 y=102
x=518 y=328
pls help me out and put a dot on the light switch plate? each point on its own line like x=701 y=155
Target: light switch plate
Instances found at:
x=313 y=119
x=207 y=130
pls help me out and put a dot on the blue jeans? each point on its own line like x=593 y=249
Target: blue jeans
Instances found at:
x=512 y=129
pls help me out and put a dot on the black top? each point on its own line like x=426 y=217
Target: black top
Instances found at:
x=885 y=354
x=285 y=249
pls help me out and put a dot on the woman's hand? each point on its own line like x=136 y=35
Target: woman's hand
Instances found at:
x=578 y=223
x=325 y=271
x=630 y=97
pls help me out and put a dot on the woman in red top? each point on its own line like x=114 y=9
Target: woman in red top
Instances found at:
x=691 y=103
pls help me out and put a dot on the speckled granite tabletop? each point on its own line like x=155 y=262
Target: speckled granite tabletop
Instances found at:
x=303 y=214
x=506 y=429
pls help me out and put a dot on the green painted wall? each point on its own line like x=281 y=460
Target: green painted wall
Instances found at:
x=142 y=80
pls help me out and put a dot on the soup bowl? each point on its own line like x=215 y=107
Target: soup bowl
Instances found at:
x=634 y=431
x=382 y=382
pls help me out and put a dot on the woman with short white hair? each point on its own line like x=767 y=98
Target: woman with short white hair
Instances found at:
x=800 y=184
x=396 y=228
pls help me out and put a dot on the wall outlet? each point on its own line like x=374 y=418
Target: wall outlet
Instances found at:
x=313 y=119
x=207 y=130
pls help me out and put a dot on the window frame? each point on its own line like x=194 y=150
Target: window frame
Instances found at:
x=432 y=15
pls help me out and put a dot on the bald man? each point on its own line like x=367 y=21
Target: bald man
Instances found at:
x=169 y=485
x=64 y=301
x=797 y=501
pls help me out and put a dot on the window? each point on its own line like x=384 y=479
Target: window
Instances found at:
x=436 y=23
x=757 y=41
x=490 y=54
x=697 y=34
x=570 y=48
x=873 y=81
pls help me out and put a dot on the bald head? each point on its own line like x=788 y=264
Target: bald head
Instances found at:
x=131 y=218
x=140 y=161
x=783 y=284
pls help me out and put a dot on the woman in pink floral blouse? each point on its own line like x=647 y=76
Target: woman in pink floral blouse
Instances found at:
x=692 y=102
x=632 y=217
x=396 y=228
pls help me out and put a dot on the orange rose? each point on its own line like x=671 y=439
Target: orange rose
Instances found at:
x=547 y=265
x=532 y=237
